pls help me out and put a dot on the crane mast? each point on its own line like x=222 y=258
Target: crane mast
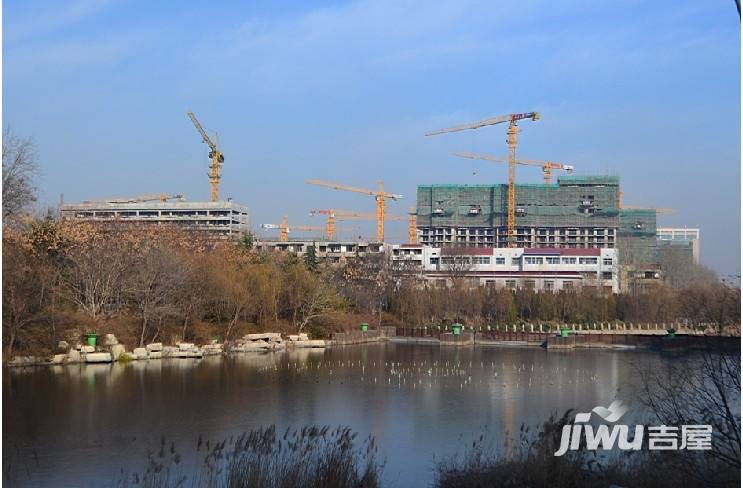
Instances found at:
x=285 y=228
x=412 y=226
x=512 y=141
x=216 y=156
x=380 y=196
x=334 y=215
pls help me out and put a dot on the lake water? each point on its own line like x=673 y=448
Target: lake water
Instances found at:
x=85 y=425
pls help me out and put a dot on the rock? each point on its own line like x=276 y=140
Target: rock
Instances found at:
x=293 y=338
x=87 y=349
x=169 y=351
x=98 y=357
x=263 y=336
x=140 y=353
x=110 y=340
x=185 y=346
x=304 y=337
x=156 y=355
x=73 y=356
x=248 y=347
x=308 y=343
x=117 y=350
x=63 y=345
x=212 y=349
x=155 y=346
x=59 y=358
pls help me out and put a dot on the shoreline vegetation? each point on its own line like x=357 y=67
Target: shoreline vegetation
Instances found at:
x=62 y=279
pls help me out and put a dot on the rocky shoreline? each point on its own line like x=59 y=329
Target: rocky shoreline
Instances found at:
x=111 y=350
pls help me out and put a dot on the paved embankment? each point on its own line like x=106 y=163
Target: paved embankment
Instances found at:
x=614 y=339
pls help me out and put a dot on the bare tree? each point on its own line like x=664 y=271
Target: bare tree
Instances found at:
x=316 y=303
x=701 y=391
x=20 y=167
x=22 y=299
x=94 y=276
x=153 y=287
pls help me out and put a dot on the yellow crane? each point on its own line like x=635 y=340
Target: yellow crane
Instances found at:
x=547 y=166
x=161 y=197
x=512 y=140
x=380 y=196
x=334 y=215
x=215 y=168
x=659 y=210
x=412 y=226
x=284 y=228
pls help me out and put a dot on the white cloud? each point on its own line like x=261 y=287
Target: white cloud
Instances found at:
x=42 y=21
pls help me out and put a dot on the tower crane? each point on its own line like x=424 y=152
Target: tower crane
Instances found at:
x=380 y=196
x=412 y=226
x=161 y=197
x=215 y=168
x=547 y=166
x=284 y=228
x=512 y=140
x=334 y=215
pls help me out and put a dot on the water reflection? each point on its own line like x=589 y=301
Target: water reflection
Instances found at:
x=86 y=423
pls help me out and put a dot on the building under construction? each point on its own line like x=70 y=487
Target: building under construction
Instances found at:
x=224 y=219
x=577 y=212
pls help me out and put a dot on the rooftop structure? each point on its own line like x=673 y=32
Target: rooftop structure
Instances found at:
x=222 y=219
x=680 y=239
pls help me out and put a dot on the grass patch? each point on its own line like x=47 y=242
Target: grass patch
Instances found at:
x=308 y=457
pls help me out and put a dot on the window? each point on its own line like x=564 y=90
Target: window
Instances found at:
x=607 y=262
x=514 y=261
x=434 y=260
x=511 y=284
x=567 y=285
x=606 y=275
x=549 y=285
x=588 y=261
x=490 y=283
x=481 y=260
x=552 y=260
x=533 y=260
x=500 y=260
x=568 y=261
x=530 y=284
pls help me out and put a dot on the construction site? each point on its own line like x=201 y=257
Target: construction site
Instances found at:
x=573 y=212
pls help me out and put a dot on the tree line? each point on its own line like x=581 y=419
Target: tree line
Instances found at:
x=156 y=283
x=63 y=278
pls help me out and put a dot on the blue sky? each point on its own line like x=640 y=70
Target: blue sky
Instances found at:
x=344 y=91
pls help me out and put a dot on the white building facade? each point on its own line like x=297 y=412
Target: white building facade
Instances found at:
x=222 y=219
x=544 y=269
